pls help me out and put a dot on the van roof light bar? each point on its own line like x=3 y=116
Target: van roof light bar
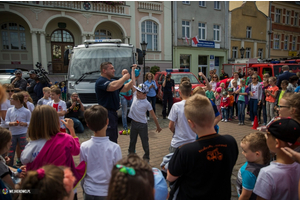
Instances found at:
x=102 y=41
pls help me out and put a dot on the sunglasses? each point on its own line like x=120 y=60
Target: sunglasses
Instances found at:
x=254 y=78
x=10 y=91
x=279 y=106
x=215 y=77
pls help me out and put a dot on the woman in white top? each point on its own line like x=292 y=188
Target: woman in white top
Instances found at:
x=214 y=82
x=236 y=78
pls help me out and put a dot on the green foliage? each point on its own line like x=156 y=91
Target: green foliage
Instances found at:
x=154 y=69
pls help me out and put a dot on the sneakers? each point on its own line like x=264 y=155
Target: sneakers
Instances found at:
x=222 y=120
x=225 y=120
x=239 y=123
x=229 y=119
x=252 y=123
x=148 y=118
x=236 y=117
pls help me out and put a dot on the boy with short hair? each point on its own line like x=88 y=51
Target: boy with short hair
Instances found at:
x=280 y=179
x=257 y=154
x=59 y=105
x=137 y=113
x=199 y=165
x=99 y=153
x=178 y=124
x=46 y=98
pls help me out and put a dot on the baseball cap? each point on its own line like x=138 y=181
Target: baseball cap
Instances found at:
x=160 y=185
x=31 y=72
x=230 y=90
x=224 y=93
x=285 y=129
x=142 y=88
x=18 y=71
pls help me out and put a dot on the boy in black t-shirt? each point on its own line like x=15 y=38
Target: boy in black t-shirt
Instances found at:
x=203 y=168
x=73 y=108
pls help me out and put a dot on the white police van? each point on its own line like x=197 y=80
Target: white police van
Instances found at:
x=84 y=66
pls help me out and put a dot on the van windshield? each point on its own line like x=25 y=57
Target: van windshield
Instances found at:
x=89 y=59
x=278 y=69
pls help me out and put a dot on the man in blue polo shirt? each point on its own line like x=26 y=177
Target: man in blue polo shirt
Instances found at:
x=107 y=92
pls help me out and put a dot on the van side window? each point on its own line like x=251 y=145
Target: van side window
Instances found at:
x=267 y=70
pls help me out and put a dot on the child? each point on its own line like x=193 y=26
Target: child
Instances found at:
x=284 y=84
x=9 y=90
x=131 y=179
x=139 y=126
x=231 y=101
x=54 y=182
x=191 y=163
x=27 y=99
x=257 y=154
x=17 y=118
x=99 y=153
x=59 y=105
x=6 y=173
x=48 y=145
x=218 y=97
x=63 y=89
x=222 y=85
x=262 y=105
x=210 y=94
x=225 y=101
x=271 y=94
x=242 y=100
x=46 y=98
x=178 y=124
x=280 y=179
x=235 y=107
x=255 y=89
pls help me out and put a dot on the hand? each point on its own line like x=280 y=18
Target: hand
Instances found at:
x=73 y=105
x=78 y=100
x=291 y=153
x=68 y=123
x=23 y=173
x=7 y=159
x=50 y=83
x=126 y=76
x=259 y=103
x=158 y=129
x=134 y=66
x=23 y=124
x=14 y=123
x=251 y=94
x=201 y=74
x=28 y=85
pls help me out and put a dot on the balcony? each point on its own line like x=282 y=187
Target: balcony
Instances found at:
x=78 y=6
x=148 y=6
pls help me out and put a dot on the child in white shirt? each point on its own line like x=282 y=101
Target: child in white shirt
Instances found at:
x=6 y=104
x=137 y=113
x=46 y=98
x=27 y=98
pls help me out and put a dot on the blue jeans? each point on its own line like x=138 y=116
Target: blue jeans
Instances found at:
x=241 y=109
x=225 y=113
x=152 y=100
x=230 y=112
x=77 y=125
x=264 y=109
x=253 y=108
x=125 y=104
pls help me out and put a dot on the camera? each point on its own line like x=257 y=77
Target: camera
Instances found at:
x=41 y=73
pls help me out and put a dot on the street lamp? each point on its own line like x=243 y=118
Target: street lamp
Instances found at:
x=144 y=48
x=242 y=51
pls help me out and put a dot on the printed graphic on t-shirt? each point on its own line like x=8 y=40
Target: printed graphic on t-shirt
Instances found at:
x=55 y=105
x=214 y=154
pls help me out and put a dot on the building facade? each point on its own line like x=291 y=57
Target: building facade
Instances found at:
x=42 y=31
x=206 y=20
x=248 y=33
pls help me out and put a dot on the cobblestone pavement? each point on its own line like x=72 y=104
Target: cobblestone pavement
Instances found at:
x=160 y=142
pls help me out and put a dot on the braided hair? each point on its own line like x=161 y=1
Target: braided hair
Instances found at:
x=124 y=186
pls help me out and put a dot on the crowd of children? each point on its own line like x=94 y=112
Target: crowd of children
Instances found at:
x=37 y=135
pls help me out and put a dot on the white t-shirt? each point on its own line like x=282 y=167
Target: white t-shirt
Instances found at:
x=22 y=115
x=138 y=109
x=183 y=133
x=32 y=149
x=30 y=106
x=278 y=181
x=100 y=155
x=6 y=105
x=43 y=101
x=213 y=85
x=254 y=90
x=237 y=81
x=60 y=107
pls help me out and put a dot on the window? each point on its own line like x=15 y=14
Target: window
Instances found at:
x=185 y=61
x=296 y=19
x=186 y=2
x=150 y=35
x=248 y=32
x=186 y=29
x=61 y=36
x=234 y=52
x=13 y=36
x=277 y=15
x=276 y=42
x=217 y=5
x=286 y=38
x=202 y=3
x=103 y=34
x=260 y=53
x=294 y=44
x=217 y=33
x=248 y=52
x=287 y=17
x=202 y=31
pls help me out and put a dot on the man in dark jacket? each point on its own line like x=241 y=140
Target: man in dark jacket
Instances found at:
x=223 y=75
x=30 y=86
x=284 y=76
x=19 y=82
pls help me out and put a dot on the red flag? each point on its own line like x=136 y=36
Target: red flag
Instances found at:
x=195 y=40
x=187 y=41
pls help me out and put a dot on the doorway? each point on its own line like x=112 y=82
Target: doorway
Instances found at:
x=61 y=43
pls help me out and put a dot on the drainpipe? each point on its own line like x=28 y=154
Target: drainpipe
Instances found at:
x=270 y=28
x=172 y=18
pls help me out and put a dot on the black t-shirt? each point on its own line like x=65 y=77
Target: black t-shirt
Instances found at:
x=73 y=112
x=223 y=76
x=169 y=85
x=205 y=167
x=109 y=100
